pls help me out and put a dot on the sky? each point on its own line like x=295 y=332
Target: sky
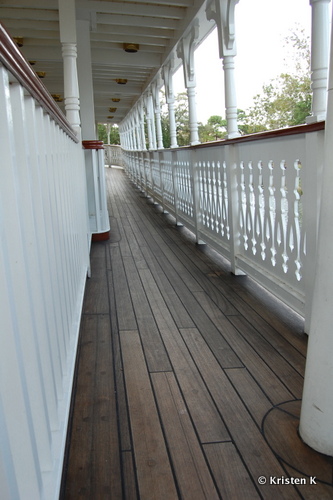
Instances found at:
x=261 y=27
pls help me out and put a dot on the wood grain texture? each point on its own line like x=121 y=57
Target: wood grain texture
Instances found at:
x=154 y=473
x=193 y=475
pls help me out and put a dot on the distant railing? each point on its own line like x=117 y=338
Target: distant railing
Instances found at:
x=254 y=199
x=44 y=259
x=113 y=155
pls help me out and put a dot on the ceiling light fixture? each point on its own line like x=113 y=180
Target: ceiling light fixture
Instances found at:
x=121 y=81
x=115 y=99
x=18 y=40
x=131 y=47
x=41 y=74
x=112 y=110
x=57 y=97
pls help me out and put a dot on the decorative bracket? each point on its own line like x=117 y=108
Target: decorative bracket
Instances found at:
x=185 y=51
x=155 y=90
x=167 y=71
x=223 y=13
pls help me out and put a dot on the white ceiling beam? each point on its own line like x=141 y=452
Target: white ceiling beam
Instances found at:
x=132 y=9
x=31 y=14
x=33 y=25
x=134 y=31
x=147 y=22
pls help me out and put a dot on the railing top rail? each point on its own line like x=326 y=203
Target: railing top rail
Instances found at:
x=269 y=134
x=15 y=62
x=259 y=136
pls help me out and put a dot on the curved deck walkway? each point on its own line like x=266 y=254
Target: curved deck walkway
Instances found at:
x=188 y=379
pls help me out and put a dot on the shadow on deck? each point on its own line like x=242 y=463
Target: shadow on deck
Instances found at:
x=189 y=379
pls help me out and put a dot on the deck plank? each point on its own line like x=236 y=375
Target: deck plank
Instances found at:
x=95 y=471
x=208 y=423
x=193 y=476
x=155 y=478
x=231 y=475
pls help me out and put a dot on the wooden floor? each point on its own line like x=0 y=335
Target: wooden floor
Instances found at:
x=189 y=379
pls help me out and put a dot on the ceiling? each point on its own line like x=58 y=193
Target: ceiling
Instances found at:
x=156 y=26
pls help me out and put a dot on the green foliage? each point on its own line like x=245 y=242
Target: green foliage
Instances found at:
x=215 y=129
x=101 y=132
x=182 y=119
x=108 y=133
x=165 y=123
x=286 y=100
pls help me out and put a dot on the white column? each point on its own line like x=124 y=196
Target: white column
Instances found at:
x=316 y=424
x=223 y=12
x=320 y=21
x=67 y=23
x=84 y=66
x=170 y=99
x=130 y=134
x=148 y=106
x=137 y=128
x=156 y=85
x=142 y=125
x=152 y=114
x=135 y=137
x=185 y=51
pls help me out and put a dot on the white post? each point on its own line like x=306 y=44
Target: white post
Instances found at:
x=320 y=10
x=84 y=66
x=169 y=96
x=223 y=13
x=185 y=51
x=133 y=127
x=137 y=128
x=67 y=24
x=152 y=115
x=142 y=125
x=151 y=143
x=157 y=106
x=230 y=96
x=316 y=424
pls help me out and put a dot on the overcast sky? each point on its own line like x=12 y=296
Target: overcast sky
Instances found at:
x=261 y=28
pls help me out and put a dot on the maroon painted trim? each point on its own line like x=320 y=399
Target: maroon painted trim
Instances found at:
x=100 y=236
x=14 y=61
x=93 y=144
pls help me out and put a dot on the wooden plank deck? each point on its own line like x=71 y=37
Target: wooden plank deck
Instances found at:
x=189 y=379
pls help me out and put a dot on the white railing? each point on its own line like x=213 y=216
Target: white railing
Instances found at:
x=254 y=199
x=113 y=155
x=44 y=258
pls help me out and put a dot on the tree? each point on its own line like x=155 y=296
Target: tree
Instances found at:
x=285 y=100
x=108 y=133
x=215 y=128
x=182 y=119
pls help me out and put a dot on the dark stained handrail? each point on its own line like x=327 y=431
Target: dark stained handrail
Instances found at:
x=14 y=61
x=269 y=134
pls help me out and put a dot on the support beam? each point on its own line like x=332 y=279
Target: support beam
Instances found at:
x=167 y=73
x=156 y=85
x=185 y=51
x=223 y=13
x=319 y=58
x=316 y=424
x=84 y=65
x=67 y=23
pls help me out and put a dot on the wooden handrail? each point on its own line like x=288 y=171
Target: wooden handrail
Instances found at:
x=15 y=62
x=259 y=136
x=269 y=134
